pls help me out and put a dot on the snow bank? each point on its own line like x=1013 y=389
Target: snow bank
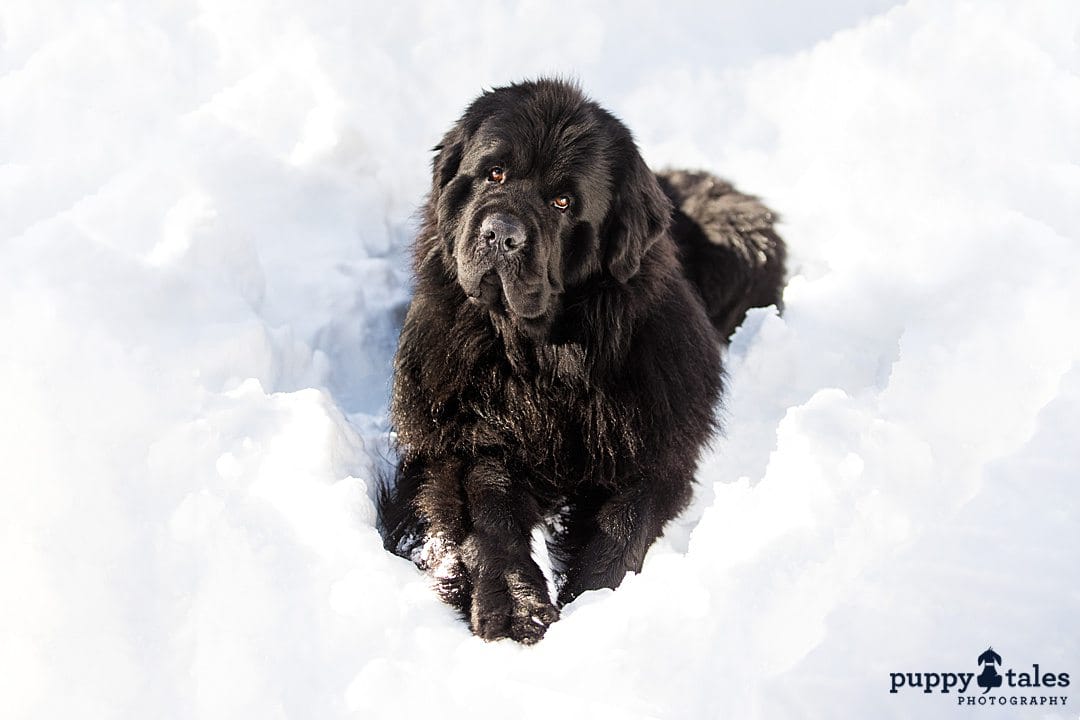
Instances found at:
x=204 y=210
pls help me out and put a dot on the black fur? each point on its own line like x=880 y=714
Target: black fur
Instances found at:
x=570 y=374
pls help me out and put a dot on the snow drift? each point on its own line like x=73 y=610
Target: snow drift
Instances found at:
x=204 y=214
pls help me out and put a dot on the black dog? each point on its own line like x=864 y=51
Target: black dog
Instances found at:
x=560 y=361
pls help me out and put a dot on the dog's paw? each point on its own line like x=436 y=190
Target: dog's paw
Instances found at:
x=442 y=561
x=492 y=608
x=531 y=620
x=511 y=607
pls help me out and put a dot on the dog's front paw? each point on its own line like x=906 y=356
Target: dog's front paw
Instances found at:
x=510 y=606
x=533 y=614
x=441 y=559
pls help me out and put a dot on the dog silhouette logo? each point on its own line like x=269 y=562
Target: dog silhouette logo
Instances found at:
x=989 y=677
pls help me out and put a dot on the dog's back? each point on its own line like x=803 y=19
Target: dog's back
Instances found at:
x=729 y=248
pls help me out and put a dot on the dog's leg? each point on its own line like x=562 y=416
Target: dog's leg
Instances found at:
x=510 y=596
x=424 y=520
x=606 y=539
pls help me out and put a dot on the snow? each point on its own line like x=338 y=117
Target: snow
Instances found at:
x=204 y=215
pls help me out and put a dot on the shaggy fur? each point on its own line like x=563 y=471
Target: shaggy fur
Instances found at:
x=560 y=360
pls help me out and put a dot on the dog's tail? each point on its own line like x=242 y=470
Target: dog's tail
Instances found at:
x=728 y=246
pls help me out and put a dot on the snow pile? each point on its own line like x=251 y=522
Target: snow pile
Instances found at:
x=204 y=211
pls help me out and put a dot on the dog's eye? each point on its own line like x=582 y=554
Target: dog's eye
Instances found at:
x=496 y=174
x=562 y=202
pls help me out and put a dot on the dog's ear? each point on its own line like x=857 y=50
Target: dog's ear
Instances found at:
x=640 y=214
x=448 y=154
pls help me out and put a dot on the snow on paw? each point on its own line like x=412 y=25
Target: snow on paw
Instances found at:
x=532 y=617
x=441 y=559
x=511 y=606
x=533 y=611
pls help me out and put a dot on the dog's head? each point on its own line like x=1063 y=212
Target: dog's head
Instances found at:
x=537 y=190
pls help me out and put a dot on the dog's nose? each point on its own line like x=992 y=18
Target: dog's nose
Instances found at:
x=503 y=232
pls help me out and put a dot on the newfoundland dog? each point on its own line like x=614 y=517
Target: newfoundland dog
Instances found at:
x=559 y=365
